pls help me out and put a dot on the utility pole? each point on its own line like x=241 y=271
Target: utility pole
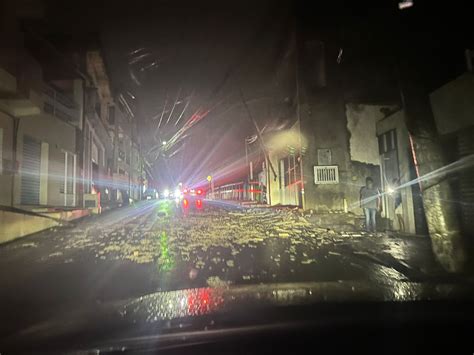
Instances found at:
x=298 y=116
x=449 y=245
x=268 y=163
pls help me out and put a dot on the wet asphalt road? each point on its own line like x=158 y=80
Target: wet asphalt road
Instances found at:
x=159 y=246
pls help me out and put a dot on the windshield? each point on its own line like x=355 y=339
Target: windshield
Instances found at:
x=177 y=151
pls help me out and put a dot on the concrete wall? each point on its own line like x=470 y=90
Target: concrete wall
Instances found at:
x=397 y=121
x=16 y=225
x=324 y=127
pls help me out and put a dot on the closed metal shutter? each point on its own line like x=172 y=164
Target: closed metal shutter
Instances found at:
x=30 y=172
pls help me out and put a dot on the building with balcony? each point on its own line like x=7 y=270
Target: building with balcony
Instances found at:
x=39 y=120
x=112 y=162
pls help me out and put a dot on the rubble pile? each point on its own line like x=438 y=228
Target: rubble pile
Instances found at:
x=162 y=237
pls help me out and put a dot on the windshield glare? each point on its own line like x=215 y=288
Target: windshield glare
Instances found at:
x=186 y=158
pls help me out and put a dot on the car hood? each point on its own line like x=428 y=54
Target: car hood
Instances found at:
x=189 y=309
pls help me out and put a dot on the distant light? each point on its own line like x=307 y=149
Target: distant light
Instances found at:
x=198 y=192
x=164 y=143
x=390 y=190
x=405 y=4
x=106 y=191
x=166 y=193
x=199 y=203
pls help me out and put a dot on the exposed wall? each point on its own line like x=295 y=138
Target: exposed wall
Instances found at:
x=361 y=122
x=363 y=147
x=349 y=133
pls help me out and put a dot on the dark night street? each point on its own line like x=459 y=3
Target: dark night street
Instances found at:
x=152 y=246
x=236 y=177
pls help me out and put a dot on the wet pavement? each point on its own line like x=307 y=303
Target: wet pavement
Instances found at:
x=159 y=246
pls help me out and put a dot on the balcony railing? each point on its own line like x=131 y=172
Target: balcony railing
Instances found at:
x=60 y=105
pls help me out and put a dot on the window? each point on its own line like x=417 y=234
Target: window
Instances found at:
x=111 y=115
x=127 y=160
x=95 y=153
x=97 y=109
x=291 y=167
x=387 y=141
x=68 y=173
x=101 y=153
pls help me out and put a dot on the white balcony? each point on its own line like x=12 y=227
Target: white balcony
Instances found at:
x=8 y=85
x=60 y=106
x=22 y=106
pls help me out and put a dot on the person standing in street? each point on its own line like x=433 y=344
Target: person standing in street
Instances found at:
x=370 y=202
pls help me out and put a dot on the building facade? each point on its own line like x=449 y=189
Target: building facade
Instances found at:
x=64 y=141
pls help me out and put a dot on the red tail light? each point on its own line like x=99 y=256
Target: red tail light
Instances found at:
x=199 y=204
x=198 y=192
x=185 y=203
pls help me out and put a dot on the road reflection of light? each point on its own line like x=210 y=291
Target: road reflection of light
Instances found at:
x=166 y=260
x=385 y=274
x=176 y=304
x=165 y=306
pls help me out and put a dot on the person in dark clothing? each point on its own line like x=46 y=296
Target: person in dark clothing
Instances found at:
x=370 y=202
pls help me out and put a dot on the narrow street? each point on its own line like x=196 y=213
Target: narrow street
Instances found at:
x=154 y=246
